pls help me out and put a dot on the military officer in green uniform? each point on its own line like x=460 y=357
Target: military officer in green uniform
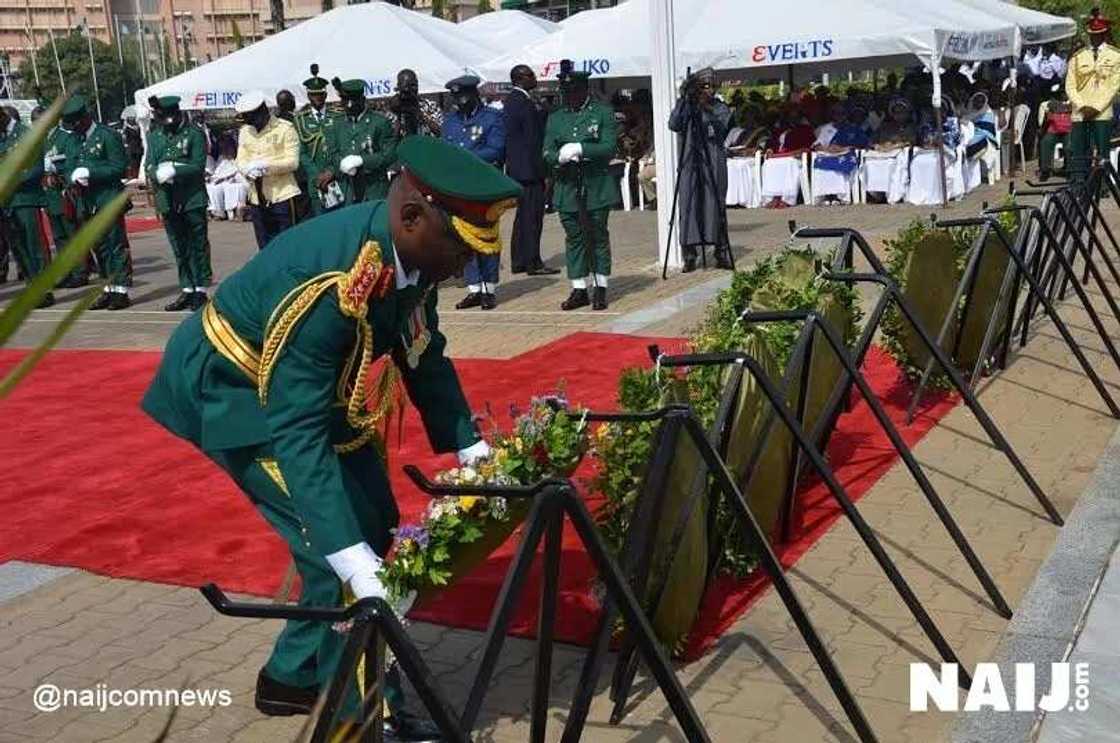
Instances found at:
x=579 y=142
x=269 y=381
x=61 y=152
x=312 y=124
x=20 y=215
x=95 y=180
x=176 y=172
x=361 y=147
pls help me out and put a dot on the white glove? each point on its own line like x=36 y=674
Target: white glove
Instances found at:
x=350 y=164
x=571 y=152
x=254 y=170
x=359 y=565
x=474 y=453
x=49 y=166
x=165 y=172
x=80 y=176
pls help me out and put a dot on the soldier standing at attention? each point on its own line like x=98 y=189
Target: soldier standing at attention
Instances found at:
x=361 y=147
x=481 y=130
x=1092 y=81
x=95 y=180
x=312 y=124
x=176 y=171
x=20 y=215
x=62 y=151
x=268 y=156
x=254 y=382
x=579 y=142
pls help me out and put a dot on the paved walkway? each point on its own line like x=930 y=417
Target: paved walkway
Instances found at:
x=758 y=684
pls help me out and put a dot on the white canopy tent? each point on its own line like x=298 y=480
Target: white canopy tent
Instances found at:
x=507 y=29
x=724 y=35
x=371 y=41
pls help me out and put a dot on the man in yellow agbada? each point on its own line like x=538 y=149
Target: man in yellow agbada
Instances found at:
x=1092 y=82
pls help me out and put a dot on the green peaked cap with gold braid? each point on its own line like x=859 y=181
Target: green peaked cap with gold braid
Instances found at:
x=471 y=190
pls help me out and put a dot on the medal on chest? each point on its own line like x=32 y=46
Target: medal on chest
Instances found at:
x=418 y=330
x=475 y=133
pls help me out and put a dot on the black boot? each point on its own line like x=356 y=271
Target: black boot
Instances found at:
x=723 y=260
x=102 y=302
x=402 y=727
x=689 y=264
x=280 y=700
x=599 y=298
x=199 y=300
x=118 y=301
x=73 y=281
x=474 y=299
x=489 y=301
x=578 y=298
x=46 y=301
x=185 y=301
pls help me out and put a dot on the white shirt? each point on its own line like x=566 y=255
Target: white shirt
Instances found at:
x=405 y=279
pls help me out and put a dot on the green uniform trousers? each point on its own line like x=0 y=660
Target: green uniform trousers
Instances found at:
x=186 y=231
x=114 y=259
x=1046 y=147
x=306 y=654
x=1086 y=137
x=62 y=229
x=583 y=259
x=21 y=232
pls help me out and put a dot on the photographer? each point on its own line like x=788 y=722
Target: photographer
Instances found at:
x=703 y=122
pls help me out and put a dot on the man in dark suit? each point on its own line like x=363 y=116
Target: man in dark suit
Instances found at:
x=524 y=142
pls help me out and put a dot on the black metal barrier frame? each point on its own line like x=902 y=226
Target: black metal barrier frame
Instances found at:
x=373 y=621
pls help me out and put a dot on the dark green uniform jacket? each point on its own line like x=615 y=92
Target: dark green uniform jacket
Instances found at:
x=63 y=148
x=313 y=156
x=204 y=397
x=102 y=152
x=593 y=126
x=185 y=147
x=29 y=192
x=371 y=137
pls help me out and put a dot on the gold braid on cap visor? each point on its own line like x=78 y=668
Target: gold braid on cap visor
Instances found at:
x=486 y=240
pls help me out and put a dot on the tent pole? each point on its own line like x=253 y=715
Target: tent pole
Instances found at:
x=663 y=85
x=939 y=139
x=1014 y=87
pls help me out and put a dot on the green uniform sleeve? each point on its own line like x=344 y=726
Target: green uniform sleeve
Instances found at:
x=155 y=156
x=195 y=164
x=433 y=386
x=385 y=153
x=301 y=393
x=607 y=144
x=33 y=176
x=552 y=142
x=110 y=168
x=307 y=163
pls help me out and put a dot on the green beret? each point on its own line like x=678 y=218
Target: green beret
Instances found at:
x=75 y=107
x=315 y=84
x=471 y=190
x=352 y=88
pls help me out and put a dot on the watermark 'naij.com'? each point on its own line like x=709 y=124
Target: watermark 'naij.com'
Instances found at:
x=1069 y=688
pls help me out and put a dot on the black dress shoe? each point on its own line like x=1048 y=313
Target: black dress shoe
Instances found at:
x=102 y=302
x=404 y=728
x=489 y=301
x=118 y=301
x=723 y=260
x=199 y=300
x=542 y=270
x=46 y=301
x=73 y=281
x=185 y=301
x=280 y=700
x=578 y=298
x=474 y=299
x=599 y=298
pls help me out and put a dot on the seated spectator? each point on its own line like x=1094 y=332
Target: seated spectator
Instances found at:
x=1055 y=122
x=983 y=119
x=835 y=166
x=898 y=130
x=226 y=187
x=791 y=137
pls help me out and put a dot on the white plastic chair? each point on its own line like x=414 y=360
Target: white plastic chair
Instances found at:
x=1022 y=111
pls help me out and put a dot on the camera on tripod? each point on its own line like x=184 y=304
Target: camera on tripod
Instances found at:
x=567 y=67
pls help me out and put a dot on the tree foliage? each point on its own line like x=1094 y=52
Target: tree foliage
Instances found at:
x=438 y=9
x=1076 y=9
x=73 y=55
x=484 y=6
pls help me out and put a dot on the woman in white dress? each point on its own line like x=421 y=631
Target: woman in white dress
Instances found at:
x=226 y=187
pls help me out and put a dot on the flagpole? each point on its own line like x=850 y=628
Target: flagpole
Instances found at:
x=93 y=67
x=34 y=62
x=143 y=50
x=120 y=56
x=57 y=63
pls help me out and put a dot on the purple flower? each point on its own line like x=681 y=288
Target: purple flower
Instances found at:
x=417 y=534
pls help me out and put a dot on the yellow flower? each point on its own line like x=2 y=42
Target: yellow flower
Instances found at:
x=467 y=502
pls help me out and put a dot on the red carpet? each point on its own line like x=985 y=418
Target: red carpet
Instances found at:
x=92 y=483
